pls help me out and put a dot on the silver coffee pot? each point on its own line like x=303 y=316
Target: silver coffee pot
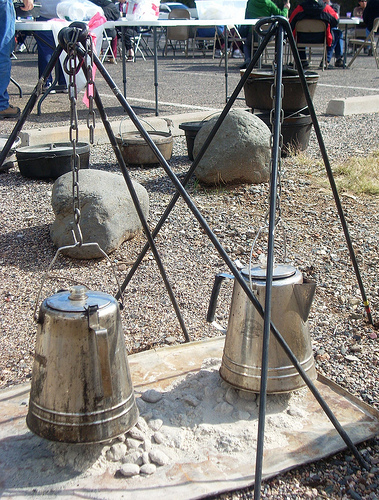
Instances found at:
x=81 y=390
x=291 y=299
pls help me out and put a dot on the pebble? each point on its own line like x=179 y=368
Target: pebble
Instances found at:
x=155 y=424
x=129 y=470
x=151 y=396
x=148 y=469
x=158 y=457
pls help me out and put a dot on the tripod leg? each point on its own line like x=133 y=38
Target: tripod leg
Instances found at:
x=29 y=105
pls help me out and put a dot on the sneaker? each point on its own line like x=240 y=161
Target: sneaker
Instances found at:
x=10 y=112
x=305 y=64
x=48 y=88
x=61 y=89
x=237 y=54
x=21 y=48
x=217 y=53
x=326 y=65
x=339 y=63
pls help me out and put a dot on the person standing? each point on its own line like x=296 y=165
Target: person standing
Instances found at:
x=337 y=43
x=7 y=44
x=46 y=46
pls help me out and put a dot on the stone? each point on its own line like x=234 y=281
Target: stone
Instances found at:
x=135 y=457
x=136 y=434
x=117 y=452
x=158 y=457
x=148 y=469
x=129 y=470
x=151 y=396
x=158 y=437
x=239 y=153
x=155 y=424
x=107 y=213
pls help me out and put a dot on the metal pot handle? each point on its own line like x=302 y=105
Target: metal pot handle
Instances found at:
x=219 y=278
x=104 y=387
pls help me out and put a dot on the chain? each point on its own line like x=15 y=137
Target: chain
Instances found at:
x=72 y=67
x=90 y=89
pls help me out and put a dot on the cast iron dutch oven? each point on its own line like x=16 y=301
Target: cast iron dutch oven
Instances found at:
x=50 y=161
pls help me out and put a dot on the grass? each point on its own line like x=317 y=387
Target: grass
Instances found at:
x=357 y=175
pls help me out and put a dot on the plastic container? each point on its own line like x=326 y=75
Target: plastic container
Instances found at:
x=142 y=10
x=220 y=10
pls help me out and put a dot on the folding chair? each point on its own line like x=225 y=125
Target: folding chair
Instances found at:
x=232 y=37
x=205 y=43
x=369 y=41
x=106 y=48
x=308 y=29
x=177 y=33
x=141 y=44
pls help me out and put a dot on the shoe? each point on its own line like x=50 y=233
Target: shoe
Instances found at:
x=217 y=53
x=130 y=55
x=48 y=88
x=339 y=63
x=305 y=64
x=61 y=89
x=21 y=48
x=237 y=54
x=10 y=112
x=244 y=65
x=326 y=65
x=112 y=60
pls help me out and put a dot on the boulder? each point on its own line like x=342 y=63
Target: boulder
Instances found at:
x=239 y=153
x=107 y=212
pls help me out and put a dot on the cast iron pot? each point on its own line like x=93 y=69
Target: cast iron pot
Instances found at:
x=50 y=161
x=296 y=130
x=136 y=151
x=190 y=130
x=258 y=89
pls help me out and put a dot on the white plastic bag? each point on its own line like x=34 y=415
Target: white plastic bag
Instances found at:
x=72 y=10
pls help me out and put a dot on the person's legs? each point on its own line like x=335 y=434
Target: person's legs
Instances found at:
x=46 y=45
x=7 y=44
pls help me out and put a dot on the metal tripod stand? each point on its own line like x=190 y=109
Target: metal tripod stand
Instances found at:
x=279 y=28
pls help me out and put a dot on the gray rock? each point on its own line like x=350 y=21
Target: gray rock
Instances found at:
x=151 y=396
x=129 y=470
x=155 y=424
x=239 y=153
x=135 y=457
x=148 y=469
x=117 y=452
x=136 y=434
x=108 y=216
x=158 y=457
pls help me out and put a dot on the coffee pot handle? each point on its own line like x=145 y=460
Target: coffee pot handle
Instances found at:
x=104 y=389
x=219 y=278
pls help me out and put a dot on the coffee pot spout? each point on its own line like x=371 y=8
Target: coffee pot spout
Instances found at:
x=304 y=293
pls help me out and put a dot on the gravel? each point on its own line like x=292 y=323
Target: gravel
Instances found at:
x=345 y=346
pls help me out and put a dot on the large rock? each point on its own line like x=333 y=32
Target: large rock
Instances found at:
x=239 y=153
x=108 y=215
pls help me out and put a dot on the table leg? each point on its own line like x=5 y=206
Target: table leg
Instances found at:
x=155 y=69
x=345 y=48
x=123 y=57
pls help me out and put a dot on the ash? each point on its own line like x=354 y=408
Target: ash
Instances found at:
x=199 y=417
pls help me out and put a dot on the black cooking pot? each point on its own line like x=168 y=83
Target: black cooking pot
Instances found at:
x=50 y=161
x=190 y=130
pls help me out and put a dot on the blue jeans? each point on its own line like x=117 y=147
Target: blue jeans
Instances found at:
x=7 y=43
x=46 y=45
x=337 y=45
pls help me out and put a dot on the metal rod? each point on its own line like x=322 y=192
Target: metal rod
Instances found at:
x=275 y=158
x=328 y=168
x=182 y=192
x=155 y=69
x=137 y=205
x=195 y=163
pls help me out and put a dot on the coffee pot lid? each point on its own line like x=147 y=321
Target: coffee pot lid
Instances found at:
x=280 y=271
x=77 y=299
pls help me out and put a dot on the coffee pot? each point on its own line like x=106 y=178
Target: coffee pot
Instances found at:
x=291 y=299
x=81 y=390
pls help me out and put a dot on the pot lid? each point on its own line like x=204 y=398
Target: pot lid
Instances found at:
x=52 y=149
x=4 y=138
x=78 y=299
x=259 y=273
